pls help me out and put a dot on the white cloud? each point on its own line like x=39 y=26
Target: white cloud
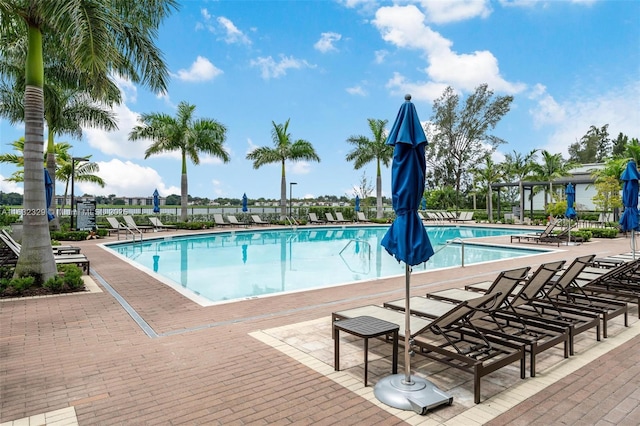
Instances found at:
x=269 y=68
x=233 y=34
x=356 y=90
x=251 y=146
x=327 y=41
x=380 y=55
x=8 y=186
x=617 y=107
x=420 y=91
x=548 y=111
x=201 y=70
x=442 y=12
x=127 y=179
x=116 y=143
x=299 y=168
x=404 y=27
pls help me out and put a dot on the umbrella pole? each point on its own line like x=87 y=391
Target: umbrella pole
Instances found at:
x=407 y=331
x=633 y=244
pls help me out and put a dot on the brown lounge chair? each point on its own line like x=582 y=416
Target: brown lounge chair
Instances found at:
x=11 y=255
x=451 y=339
x=545 y=236
x=258 y=220
x=536 y=339
x=313 y=218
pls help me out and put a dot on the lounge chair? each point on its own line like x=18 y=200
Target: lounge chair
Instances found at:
x=233 y=221
x=528 y=305
x=361 y=217
x=131 y=224
x=12 y=253
x=219 y=220
x=57 y=250
x=158 y=225
x=330 y=218
x=536 y=339
x=258 y=220
x=313 y=218
x=422 y=218
x=537 y=237
x=341 y=218
x=621 y=283
x=451 y=339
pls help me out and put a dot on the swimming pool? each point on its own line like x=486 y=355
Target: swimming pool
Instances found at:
x=218 y=267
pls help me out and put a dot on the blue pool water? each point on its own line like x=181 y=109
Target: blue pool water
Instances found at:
x=218 y=267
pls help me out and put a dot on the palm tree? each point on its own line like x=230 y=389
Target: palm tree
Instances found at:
x=484 y=175
x=101 y=37
x=285 y=148
x=366 y=150
x=552 y=167
x=185 y=134
x=70 y=101
x=84 y=171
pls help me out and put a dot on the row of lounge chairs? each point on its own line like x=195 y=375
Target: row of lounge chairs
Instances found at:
x=63 y=255
x=518 y=315
x=339 y=218
x=442 y=217
x=548 y=235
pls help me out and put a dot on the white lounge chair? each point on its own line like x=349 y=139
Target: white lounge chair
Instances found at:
x=131 y=224
x=157 y=223
x=258 y=220
x=361 y=217
x=313 y=218
x=219 y=220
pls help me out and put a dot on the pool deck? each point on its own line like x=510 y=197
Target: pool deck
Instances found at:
x=134 y=352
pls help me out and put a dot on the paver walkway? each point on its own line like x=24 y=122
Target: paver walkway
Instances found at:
x=86 y=355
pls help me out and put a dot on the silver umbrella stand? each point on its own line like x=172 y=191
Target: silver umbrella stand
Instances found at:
x=404 y=391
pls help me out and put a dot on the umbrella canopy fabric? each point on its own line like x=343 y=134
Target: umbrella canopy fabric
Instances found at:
x=244 y=203
x=406 y=239
x=570 y=213
x=48 y=191
x=630 y=177
x=156 y=201
x=357 y=203
x=423 y=204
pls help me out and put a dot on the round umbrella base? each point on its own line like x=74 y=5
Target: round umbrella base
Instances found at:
x=419 y=395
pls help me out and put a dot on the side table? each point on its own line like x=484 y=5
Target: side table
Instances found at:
x=365 y=327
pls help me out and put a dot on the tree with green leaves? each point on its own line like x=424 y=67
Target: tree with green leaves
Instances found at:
x=552 y=166
x=484 y=175
x=70 y=100
x=100 y=37
x=284 y=148
x=366 y=150
x=186 y=134
x=593 y=147
x=516 y=167
x=462 y=135
x=84 y=171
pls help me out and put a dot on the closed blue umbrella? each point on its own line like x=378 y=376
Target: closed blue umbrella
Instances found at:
x=156 y=201
x=48 y=192
x=423 y=204
x=408 y=242
x=357 y=203
x=629 y=220
x=244 y=203
x=570 y=213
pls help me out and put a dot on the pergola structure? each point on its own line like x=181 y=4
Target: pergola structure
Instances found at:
x=529 y=185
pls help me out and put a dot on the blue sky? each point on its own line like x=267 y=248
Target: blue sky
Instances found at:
x=328 y=66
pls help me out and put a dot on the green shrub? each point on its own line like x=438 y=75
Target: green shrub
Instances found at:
x=69 y=278
x=21 y=284
x=69 y=235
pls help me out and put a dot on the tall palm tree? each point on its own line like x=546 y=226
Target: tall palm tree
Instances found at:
x=183 y=133
x=285 y=148
x=552 y=166
x=84 y=171
x=484 y=175
x=366 y=150
x=101 y=37
x=70 y=101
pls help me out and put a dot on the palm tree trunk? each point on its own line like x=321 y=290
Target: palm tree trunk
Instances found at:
x=184 y=197
x=283 y=197
x=36 y=257
x=379 y=212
